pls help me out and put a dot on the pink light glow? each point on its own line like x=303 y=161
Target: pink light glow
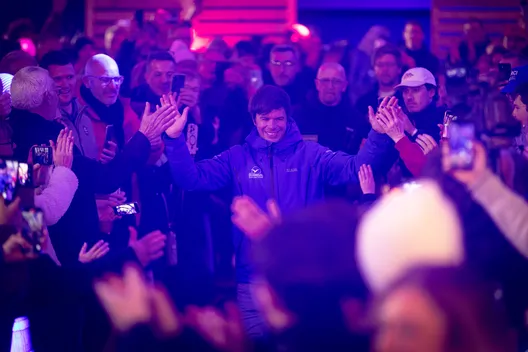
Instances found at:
x=198 y=43
x=301 y=30
x=28 y=46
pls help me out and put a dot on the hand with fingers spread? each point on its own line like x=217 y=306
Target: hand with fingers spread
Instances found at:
x=366 y=180
x=426 y=142
x=373 y=117
x=126 y=299
x=109 y=152
x=154 y=124
x=149 y=247
x=408 y=126
x=252 y=220
x=180 y=120
x=100 y=249
x=390 y=123
x=224 y=331
x=63 y=150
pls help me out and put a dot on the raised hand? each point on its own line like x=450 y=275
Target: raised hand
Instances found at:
x=224 y=331
x=426 y=142
x=149 y=247
x=252 y=220
x=467 y=177
x=109 y=153
x=390 y=123
x=180 y=120
x=100 y=249
x=407 y=124
x=125 y=299
x=366 y=180
x=63 y=150
x=154 y=124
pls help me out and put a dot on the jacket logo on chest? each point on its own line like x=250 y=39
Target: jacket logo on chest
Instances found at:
x=255 y=172
x=85 y=129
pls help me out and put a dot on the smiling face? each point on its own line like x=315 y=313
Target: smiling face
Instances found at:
x=272 y=126
x=64 y=78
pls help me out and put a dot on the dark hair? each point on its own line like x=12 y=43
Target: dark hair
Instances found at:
x=160 y=56
x=522 y=91
x=56 y=57
x=387 y=49
x=269 y=98
x=475 y=319
x=81 y=42
x=245 y=48
x=284 y=48
x=308 y=261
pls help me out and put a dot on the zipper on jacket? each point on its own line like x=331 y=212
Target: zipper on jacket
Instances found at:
x=239 y=184
x=272 y=173
x=308 y=185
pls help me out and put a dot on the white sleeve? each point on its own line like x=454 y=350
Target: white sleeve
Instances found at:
x=56 y=198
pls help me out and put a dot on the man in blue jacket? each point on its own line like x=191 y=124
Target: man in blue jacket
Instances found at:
x=274 y=163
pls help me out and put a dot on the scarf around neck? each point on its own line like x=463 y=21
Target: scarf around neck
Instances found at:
x=110 y=115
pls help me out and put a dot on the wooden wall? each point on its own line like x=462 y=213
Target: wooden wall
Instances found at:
x=448 y=17
x=232 y=19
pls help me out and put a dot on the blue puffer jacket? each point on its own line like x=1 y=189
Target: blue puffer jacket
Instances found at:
x=291 y=171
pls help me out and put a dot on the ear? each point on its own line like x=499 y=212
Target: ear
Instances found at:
x=276 y=316
x=345 y=85
x=431 y=92
x=86 y=81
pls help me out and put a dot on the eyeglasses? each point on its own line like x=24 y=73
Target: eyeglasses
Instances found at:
x=327 y=81
x=285 y=63
x=106 y=80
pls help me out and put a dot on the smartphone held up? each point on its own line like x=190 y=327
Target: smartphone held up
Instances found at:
x=461 y=144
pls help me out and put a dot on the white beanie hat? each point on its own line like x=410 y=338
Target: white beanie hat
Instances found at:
x=406 y=229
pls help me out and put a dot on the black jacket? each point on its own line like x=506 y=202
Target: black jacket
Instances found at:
x=81 y=222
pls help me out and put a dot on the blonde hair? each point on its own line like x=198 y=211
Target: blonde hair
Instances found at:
x=29 y=86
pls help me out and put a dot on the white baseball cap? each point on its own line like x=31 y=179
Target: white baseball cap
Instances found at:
x=416 y=77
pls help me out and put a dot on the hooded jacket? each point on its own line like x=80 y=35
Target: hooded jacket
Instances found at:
x=292 y=171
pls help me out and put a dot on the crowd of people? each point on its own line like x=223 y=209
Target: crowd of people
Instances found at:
x=285 y=196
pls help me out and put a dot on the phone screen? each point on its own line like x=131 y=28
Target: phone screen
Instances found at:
x=42 y=155
x=8 y=179
x=126 y=209
x=110 y=134
x=178 y=81
x=33 y=227
x=461 y=141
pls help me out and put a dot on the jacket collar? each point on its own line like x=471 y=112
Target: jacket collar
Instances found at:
x=291 y=138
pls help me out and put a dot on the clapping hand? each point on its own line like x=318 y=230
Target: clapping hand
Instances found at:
x=426 y=142
x=63 y=150
x=252 y=220
x=149 y=247
x=176 y=129
x=224 y=331
x=366 y=180
x=390 y=123
x=129 y=301
x=386 y=102
x=100 y=249
x=154 y=124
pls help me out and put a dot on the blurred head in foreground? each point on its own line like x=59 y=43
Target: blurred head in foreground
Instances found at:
x=312 y=292
x=406 y=229
x=440 y=309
